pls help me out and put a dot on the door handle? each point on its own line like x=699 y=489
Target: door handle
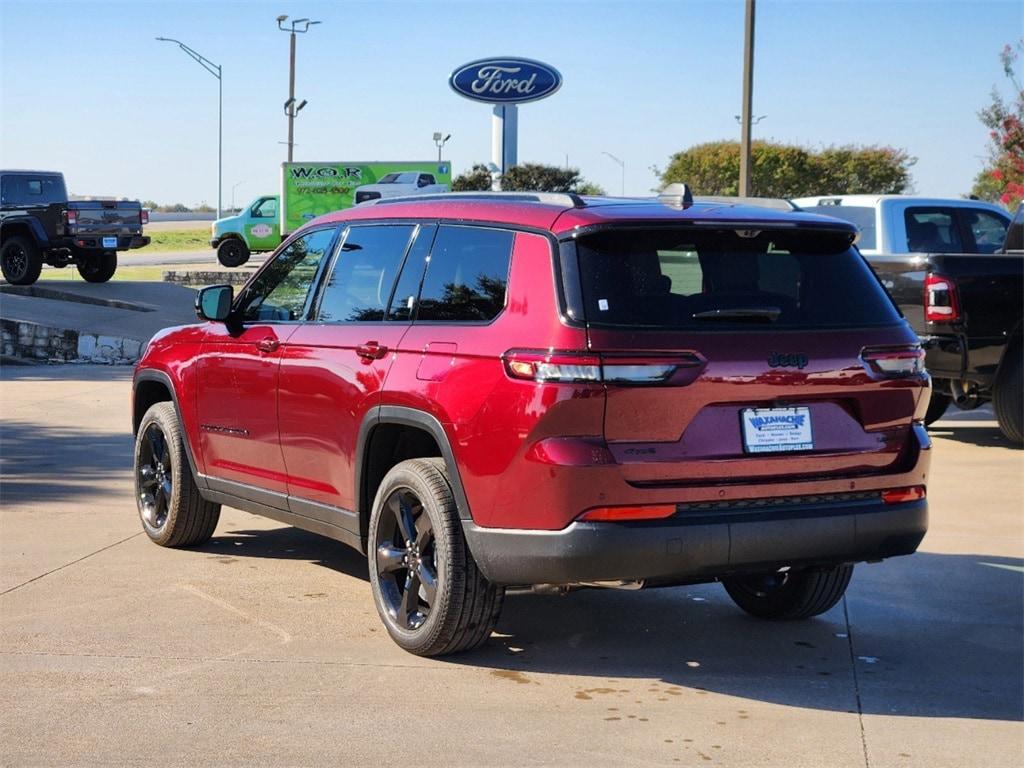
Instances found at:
x=371 y=350
x=268 y=345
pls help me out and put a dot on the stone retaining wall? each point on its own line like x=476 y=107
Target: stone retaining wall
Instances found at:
x=193 y=278
x=43 y=344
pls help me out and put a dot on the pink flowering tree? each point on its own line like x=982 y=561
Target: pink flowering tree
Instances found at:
x=1002 y=178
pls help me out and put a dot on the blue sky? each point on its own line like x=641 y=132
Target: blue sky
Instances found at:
x=87 y=90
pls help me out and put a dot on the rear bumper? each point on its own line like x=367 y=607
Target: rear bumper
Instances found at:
x=699 y=547
x=95 y=242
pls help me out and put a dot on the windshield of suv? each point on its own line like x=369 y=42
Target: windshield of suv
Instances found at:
x=708 y=280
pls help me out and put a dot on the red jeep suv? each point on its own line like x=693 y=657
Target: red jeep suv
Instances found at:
x=491 y=390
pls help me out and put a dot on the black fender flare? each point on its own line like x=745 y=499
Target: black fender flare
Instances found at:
x=410 y=417
x=150 y=374
x=31 y=223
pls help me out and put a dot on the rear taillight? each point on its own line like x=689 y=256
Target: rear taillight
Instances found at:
x=144 y=216
x=644 y=512
x=903 y=495
x=70 y=220
x=941 y=302
x=894 y=362
x=555 y=366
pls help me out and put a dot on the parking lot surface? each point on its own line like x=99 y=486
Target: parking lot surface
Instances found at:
x=263 y=646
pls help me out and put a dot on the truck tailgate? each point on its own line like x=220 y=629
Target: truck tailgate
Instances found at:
x=97 y=217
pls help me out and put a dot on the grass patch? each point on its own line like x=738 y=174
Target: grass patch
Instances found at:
x=176 y=240
x=153 y=273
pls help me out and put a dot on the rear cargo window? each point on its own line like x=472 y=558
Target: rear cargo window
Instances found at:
x=714 y=280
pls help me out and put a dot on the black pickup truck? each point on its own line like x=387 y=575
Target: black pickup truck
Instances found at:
x=968 y=309
x=39 y=225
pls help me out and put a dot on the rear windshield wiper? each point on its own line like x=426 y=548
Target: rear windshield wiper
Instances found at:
x=769 y=314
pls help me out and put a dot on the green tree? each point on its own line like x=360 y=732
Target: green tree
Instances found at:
x=476 y=179
x=537 y=177
x=1002 y=178
x=590 y=188
x=783 y=170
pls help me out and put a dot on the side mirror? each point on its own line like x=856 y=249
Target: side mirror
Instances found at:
x=214 y=303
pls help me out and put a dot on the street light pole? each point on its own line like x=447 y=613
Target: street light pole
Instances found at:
x=290 y=108
x=440 y=140
x=233 y=188
x=746 y=168
x=216 y=71
x=622 y=165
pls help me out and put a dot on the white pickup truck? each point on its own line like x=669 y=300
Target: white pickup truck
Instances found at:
x=398 y=185
x=895 y=224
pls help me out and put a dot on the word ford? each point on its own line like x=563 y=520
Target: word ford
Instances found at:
x=490 y=79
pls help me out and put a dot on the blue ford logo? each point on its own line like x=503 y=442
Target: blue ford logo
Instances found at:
x=505 y=80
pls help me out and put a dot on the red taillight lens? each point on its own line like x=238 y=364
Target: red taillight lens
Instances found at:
x=612 y=514
x=941 y=302
x=144 y=216
x=555 y=366
x=902 y=495
x=72 y=217
x=894 y=362
x=552 y=366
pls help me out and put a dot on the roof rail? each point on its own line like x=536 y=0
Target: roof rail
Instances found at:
x=676 y=195
x=566 y=199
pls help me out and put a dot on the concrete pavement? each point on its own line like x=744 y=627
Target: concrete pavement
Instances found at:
x=263 y=647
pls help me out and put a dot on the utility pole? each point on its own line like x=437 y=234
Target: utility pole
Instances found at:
x=622 y=165
x=216 y=71
x=746 y=168
x=290 y=107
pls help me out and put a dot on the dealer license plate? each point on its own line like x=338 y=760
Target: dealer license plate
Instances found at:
x=767 y=430
x=110 y=242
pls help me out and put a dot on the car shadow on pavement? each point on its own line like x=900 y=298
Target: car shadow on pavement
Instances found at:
x=983 y=436
x=32 y=471
x=931 y=635
x=290 y=543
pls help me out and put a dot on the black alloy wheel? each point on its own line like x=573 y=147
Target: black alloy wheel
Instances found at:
x=406 y=559
x=154 y=477
x=20 y=261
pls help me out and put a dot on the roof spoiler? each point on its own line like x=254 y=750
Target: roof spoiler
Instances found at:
x=676 y=195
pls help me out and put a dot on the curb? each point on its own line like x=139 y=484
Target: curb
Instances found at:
x=33 y=342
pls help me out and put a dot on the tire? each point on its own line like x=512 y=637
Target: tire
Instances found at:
x=20 y=260
x=415 y=516
x=1008 y=396
x=98 y=268
x=936 y=407
x=232 y=252
x=789 y=596
x=173 y=513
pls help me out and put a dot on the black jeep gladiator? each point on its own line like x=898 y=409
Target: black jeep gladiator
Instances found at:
x=39 y=225
x=967 y=308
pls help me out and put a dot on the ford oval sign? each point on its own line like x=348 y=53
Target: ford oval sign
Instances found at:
x=505 y=80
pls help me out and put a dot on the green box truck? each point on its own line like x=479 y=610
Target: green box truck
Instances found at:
x=312 y=189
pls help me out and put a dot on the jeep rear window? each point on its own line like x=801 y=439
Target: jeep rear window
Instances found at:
x=723 y=279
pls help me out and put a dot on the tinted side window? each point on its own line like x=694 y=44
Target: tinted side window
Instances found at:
x=18 y=189
x=408 y=288
x=282 y=289
x=466 y=276
x=364 y=273
x=932 y=230
x=987 y=229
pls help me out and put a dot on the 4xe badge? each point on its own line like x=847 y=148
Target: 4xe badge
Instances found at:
x=787 y=360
